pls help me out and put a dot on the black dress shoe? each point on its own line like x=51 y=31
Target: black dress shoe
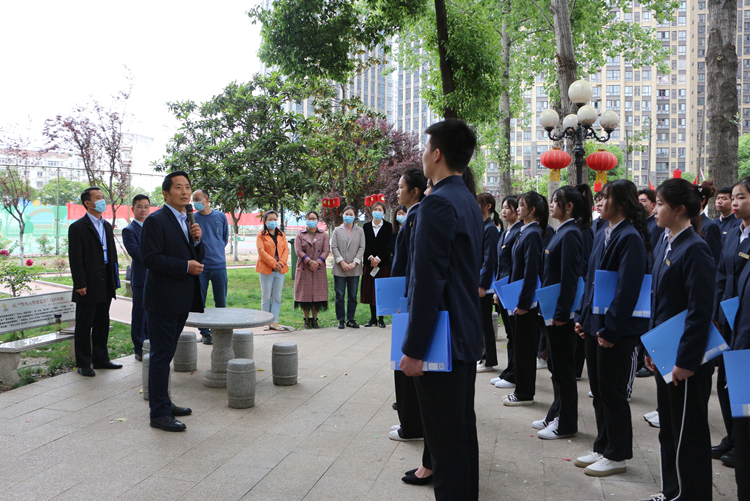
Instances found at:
x=728 y=459
x=411 y=472
x=181 y=411
x=108 y=365
x=394 y=406
x=719 y=450
x=381 y=324
x=371 y=323
x=342 y=324
x=139 y=357
x=413 y=479
x=86 y=371
x=644 y=372
x=352 y=324
x=167 y=423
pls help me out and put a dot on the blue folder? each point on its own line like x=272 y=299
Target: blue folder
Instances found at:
x=730 y=307
x=403 y=304
x=737 y=366
x=438 y=357
x=663 y=341
x=549 y=296
x=498 y=285
x=388 y=291
x=491 y=290
x=605 y=284
x=512 y=291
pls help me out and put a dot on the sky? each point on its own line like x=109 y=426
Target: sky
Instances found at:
x=60 y=54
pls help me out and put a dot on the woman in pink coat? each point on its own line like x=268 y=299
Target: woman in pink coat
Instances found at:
x=311 y=279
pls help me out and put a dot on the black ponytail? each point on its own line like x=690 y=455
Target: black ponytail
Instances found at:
x=676 y=192
x=624 y=195
x=581 y=212
x=486 y=199
x=534 y=200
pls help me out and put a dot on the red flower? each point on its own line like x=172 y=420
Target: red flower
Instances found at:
x=4 y=252
x=29 y=262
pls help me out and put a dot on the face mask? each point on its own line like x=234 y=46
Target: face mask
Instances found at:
x=311 y=224
x=377 y=215
x=348 y=219
x=199 y=206
x=271 y=225
x=401 y=219
x=100 y=206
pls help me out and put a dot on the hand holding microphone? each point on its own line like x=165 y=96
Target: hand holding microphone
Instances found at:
x=195 y=229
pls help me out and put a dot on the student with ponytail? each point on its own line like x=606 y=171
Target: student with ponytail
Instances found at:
x=562 y=265
x=527 y=266
x=486 y=276
x=709 y=230
x=683 y=279
x=611 y=338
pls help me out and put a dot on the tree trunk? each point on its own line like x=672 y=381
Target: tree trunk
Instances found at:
x=567 y=68
x=721 y=73
x=446 y=71
x=21 y=228
x=504 y=156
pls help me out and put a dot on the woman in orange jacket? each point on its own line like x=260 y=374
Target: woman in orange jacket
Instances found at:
x=273 y=253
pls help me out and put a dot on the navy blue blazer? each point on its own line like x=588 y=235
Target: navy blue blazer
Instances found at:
x=685 y=280
x=131 y=238
x=401 y=253
x=165 y=253
x=527 y=263
x=600 y=224
x=443 y=277
x=547 y=236
x=626 y=254
x=726 y=224
x=588 y=244
x=563 y=258
x=741 y=332
x=489 y=258
x=712 y=236
x=734 y=256
x=505 y=249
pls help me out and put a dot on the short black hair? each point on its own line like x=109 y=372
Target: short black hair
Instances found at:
x=455 y=140
x=167 y=184
x=138 y=198
x=725 y=190
x=86 y=195
x=651 y=194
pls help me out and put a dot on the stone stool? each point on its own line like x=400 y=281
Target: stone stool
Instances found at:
x=284 y=364
x=241 y=383
x=186 y=355
x=494 y=323
x=144 y=376
x=242 y=344
x=146 y=347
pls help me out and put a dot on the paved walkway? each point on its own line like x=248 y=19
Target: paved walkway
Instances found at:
x=326 y=438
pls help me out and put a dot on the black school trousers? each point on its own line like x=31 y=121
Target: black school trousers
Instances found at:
x=527 y=340
x=490 y=348
x=561 y=349
x=741 y=435
x=407 y=406
x=509 y=374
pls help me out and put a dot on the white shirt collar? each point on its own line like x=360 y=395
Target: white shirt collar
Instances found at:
x=671 y=238
x=527 y=225
x=571 y=220
x=609 y=229
x=97 y=222
x=410 y=208
x=744 y=232
x=139 y=223
x=176 y=213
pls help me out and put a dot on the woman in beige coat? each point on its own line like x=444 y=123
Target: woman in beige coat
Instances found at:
x=348 y=248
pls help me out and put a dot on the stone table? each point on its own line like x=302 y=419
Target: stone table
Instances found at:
x=222 y=322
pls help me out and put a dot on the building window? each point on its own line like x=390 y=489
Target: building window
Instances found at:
x=613 y=90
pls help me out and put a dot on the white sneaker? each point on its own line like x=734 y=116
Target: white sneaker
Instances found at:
x=495 y=380
x=604 y=468
x=504 y=384
x=395 y=427
x=584 y=461
x=485 y=368
x=591 y=394
x=513 y=401
x=652 y=418
x=539 y=425
x=393 y=435
x=550 y=432
x=657 y=497
x=541 y=363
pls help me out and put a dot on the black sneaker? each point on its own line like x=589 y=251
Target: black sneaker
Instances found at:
x=728 y=459
x=644 y=372
x=353 y=324
x=207 y=340
x=342 y=324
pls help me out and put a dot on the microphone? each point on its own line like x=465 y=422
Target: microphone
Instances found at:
x=190 y=216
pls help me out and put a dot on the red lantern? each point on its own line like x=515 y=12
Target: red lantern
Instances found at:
x=368 y=201
x=601 y=162
x=597 y=186
x=326 y=203
x=336 y=202
x=381 y=197
x=677 y=174
x=555 y=160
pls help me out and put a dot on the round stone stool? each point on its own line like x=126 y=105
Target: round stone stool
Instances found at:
x=186 y=355
x=241 y=383
x=242 y=344
x=284 y=364
x=144 y=377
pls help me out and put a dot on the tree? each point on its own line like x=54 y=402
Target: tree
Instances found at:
x=70 y=192
x=721 y=70
x=744 y=156
x=403 y=152
x=156 y=198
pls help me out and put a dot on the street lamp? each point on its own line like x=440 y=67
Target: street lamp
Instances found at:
x=578 y=127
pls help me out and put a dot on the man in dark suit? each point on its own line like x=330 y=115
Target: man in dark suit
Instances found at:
x=444 y=276
x=131 y=237
x=172 y=253
x=93 y=265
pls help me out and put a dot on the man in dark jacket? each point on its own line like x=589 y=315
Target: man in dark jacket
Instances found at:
x=172 y=253
x=93 y=265
x=131 y=238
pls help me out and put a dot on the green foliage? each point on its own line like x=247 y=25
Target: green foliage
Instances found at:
x=16 y=278
x=70 y=192
x=156 y=197
x=744 y=156
x=45 y=245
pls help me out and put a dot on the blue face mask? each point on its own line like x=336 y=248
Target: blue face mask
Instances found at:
x=199 y=206
x=377 y=215
x=271 y=225
x=100 y=206
x=348 y=219
x=401 y=219
x=312 y=224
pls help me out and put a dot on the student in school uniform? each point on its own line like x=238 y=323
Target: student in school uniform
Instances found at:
x=411 y=189
x=710 y=230
x=727 y=219
x=683 y=279
x=735 y=254
x=509 y=213
x=647 y=198
x=741 y=341
x=563 y=257
x=611 y=338
x=598 y=223
x=588 y=244
x=486 y=275
x=527 y=266
x=541 y=352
